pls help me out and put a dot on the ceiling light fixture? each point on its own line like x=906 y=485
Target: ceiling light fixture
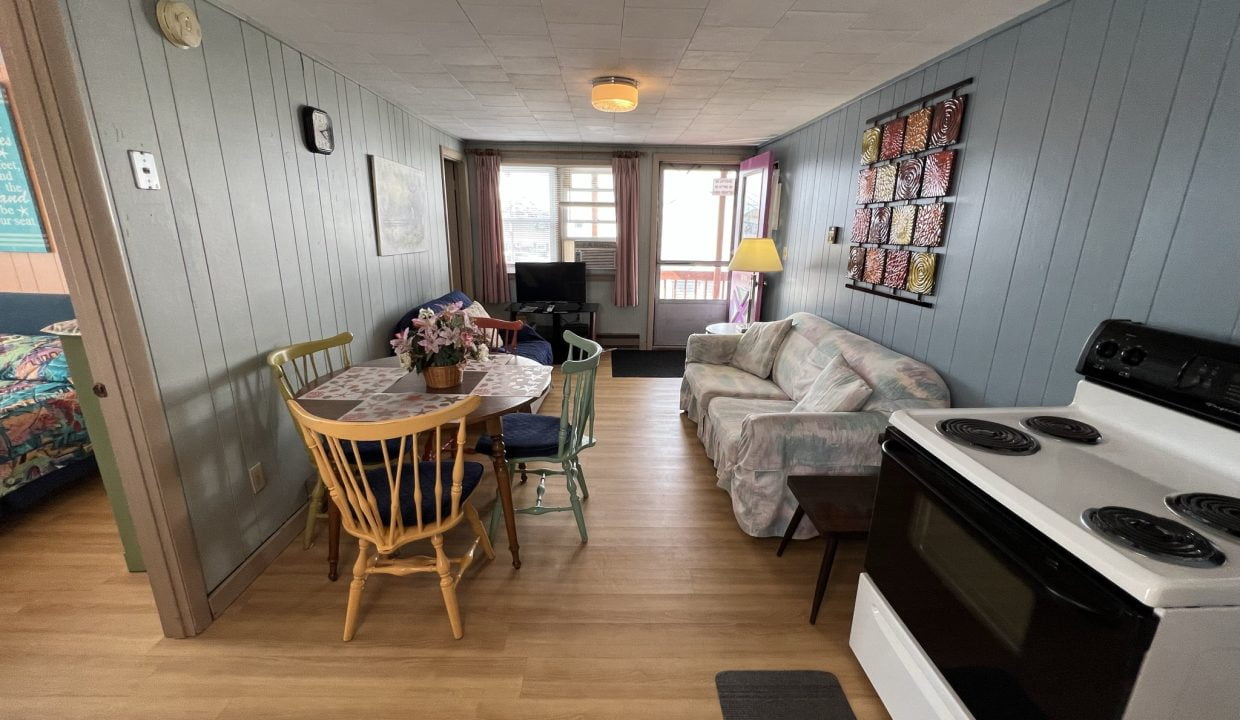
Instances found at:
x=614 y=94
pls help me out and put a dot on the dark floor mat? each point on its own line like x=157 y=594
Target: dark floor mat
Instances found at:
x=648 y=363
x=781 y=695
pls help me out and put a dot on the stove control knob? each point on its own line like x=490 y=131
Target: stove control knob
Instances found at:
x=1132 y=356
x=1106 y=349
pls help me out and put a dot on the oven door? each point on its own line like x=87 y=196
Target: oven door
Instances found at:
x=1018 y=626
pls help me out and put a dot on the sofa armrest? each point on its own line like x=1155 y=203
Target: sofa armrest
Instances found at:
x=826 y=442
x=711 y=349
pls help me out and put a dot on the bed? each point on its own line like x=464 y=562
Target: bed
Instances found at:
x=43 y=439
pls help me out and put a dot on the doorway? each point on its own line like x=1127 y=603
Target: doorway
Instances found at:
x=694 y=245
x=456 y=212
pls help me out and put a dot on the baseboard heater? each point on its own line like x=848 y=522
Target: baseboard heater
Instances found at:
x=620 y=341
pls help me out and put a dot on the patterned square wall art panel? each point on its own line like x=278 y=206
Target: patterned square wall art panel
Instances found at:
x=896 y=273
x=875 y=261
x=921 y=269
x=856 y=263
x=880 y=226
x=870 y=140
x=945 y=125
x=917 y=130
x=893 y=139
x=936 y=181
x=885 y=184
x=908 y=179
x=928 y=232
x=865 y=185
x=902 y=219
x=861 y=225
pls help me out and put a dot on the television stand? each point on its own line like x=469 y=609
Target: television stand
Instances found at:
x=557 y=311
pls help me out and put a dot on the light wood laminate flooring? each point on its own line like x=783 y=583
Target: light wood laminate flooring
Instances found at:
x=633 y=625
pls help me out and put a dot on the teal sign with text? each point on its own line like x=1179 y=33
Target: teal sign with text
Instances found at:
x=21 y=226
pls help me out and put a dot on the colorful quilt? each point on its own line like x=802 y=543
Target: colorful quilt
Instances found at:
x=41 y=425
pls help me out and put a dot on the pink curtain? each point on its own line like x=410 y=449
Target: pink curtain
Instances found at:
x=490 y=229
x=624 y=170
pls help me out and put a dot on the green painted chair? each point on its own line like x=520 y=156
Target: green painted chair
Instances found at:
x=546 y=440
x=295 y=367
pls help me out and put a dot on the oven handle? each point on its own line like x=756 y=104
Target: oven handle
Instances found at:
x=892 y=451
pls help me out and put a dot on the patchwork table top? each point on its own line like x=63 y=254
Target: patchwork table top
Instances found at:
x=382 y=390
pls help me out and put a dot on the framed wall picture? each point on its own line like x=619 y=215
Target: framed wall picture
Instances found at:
x=400 y=206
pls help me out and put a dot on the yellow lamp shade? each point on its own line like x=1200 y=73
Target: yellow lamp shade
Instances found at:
x=614 y=94
x=756 y=255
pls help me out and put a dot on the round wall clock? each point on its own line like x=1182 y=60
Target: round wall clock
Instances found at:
x=179 y=24
x=317 y=125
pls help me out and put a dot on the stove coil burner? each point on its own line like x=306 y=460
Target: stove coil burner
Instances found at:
x=1154 y=537
x=989 y=436
x=1063 y=428
x=1218 y=512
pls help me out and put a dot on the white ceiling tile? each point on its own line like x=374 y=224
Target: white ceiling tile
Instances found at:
x=536 y=82
x=667 y=3
x=771 y=70
x=602 y=60
x=745 y=13
x=507 y=20
x=731 y=39
x=661 y=23
x=708 y=60
x=531 y=66
x=573 y=36
x=513 y=100
x=422 y=81
x=653 y=48
x=719 y=72
x=602 y=12
x=812 y=26
x=477 y=73
x=482 y=89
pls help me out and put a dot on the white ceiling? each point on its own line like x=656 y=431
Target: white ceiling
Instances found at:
x=710 y=71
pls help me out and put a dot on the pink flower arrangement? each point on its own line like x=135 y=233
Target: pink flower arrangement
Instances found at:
x=435 y=339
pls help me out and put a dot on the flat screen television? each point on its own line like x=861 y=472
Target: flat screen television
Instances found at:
x=551 y=282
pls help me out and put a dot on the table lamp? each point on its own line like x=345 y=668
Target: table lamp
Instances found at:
x=755 y=255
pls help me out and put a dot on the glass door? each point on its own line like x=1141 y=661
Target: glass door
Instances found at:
x=696 y=216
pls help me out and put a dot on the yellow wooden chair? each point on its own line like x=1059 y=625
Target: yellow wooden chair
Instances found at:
x=295 y=367
x=401 y=501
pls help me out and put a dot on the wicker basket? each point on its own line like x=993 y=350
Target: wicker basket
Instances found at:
x=443 y=376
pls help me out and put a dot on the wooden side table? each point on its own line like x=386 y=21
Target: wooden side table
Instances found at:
x=835 y=504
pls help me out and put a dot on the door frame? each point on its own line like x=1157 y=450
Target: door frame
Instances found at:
x=460 y=243
x=656 y=215
x=66 y=165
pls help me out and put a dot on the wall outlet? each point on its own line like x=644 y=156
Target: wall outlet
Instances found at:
x=258 y=480
x=145 y=176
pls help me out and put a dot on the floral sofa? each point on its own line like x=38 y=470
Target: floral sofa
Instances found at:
x=755 y=440
x=529 y=343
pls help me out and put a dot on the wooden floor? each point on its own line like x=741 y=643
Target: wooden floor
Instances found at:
x=633 y=625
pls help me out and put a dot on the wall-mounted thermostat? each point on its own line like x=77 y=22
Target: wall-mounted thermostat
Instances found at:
x=145 y=176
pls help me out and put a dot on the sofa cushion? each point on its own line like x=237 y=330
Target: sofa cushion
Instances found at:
x=799 y=360
x=837 y=389
x=703 y=383
x=721 y=432
x=755 y=353
x=899 y=381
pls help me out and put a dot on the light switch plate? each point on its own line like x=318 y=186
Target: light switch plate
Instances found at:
x=833 y=234
x=145 y=176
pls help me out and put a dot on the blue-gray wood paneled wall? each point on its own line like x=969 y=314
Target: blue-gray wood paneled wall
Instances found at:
x=1097 y=179
x=252 y=243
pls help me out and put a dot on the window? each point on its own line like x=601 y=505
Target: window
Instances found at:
x=559 y=212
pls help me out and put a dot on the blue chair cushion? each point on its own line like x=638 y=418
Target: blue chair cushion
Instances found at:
x=372 y=452
x=526 y=435
x=377 y=478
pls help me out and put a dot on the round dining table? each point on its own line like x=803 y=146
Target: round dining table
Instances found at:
x=525 y=397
